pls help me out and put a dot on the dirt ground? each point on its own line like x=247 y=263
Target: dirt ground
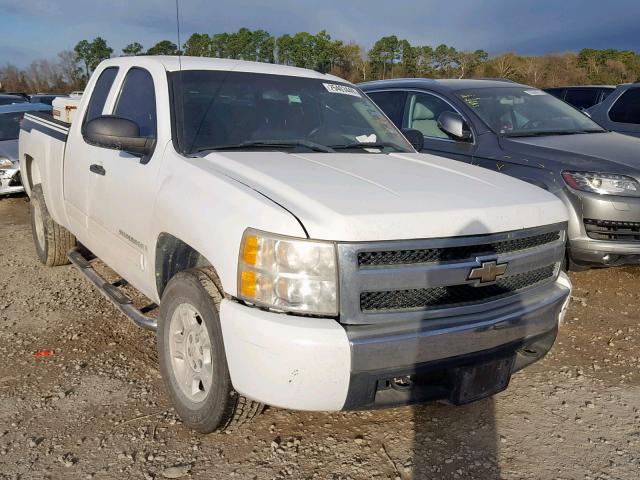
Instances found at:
x=97 y=407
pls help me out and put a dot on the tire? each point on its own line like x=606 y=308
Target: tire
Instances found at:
x=52 y=241
x=198 y=383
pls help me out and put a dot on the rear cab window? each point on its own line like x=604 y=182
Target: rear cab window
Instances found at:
x=100 y=93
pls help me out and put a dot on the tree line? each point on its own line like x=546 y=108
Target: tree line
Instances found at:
x=389 y=57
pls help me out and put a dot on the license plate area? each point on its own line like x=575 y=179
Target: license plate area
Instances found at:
x=473 y=382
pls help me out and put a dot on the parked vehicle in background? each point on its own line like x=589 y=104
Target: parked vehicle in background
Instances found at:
x=6 y=99
x=302 y=253
x=18 y=94
x=582 y=97
x=620 y=111
x=10 y=118
x=46 y=98
x=526 y=133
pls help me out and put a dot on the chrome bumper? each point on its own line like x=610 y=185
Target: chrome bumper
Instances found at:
x=524 y=330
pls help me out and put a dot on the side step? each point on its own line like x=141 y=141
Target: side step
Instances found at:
x=111 y=292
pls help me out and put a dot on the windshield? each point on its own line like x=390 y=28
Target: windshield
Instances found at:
x=521 y=111
x=10 y=125
x=240 y=110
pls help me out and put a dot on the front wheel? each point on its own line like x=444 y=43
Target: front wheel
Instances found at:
x=192 y=357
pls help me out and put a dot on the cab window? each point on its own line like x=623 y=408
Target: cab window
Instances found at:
x=137 y=101
x=100 y=93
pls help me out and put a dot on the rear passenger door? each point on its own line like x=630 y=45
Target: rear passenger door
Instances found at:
x=421 y=112
x=79 y=180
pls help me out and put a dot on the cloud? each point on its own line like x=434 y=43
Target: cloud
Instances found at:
x=502 y=25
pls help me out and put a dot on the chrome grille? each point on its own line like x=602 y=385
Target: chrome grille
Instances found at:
x=454 y=295
x=407 y=257
x=406 y=280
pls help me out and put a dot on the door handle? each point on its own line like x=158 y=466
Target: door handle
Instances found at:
x=99 y=169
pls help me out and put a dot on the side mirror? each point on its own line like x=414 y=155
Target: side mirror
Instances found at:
x=117 y=133
x=414 y=137
x=454 y=125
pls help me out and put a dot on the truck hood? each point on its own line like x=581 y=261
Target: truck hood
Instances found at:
x=9 y=149
x=367 y=197
x=605 y=152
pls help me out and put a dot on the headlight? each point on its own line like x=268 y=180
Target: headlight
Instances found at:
x=5 y=163
x=603 y=183
x=288 y=274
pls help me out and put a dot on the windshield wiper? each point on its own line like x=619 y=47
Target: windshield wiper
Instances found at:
x=543 y=133
x=366 y=145
x=316 y=147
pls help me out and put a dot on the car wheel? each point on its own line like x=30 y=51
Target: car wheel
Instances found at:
x=192 y=357
x=52 y=241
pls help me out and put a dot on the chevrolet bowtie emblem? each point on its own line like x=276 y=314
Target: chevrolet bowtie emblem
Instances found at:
x=487 y=272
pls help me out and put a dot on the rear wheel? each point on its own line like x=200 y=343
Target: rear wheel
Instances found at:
x=52 y=241
x=192 y=356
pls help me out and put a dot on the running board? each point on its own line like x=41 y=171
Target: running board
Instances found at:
x=111 y=292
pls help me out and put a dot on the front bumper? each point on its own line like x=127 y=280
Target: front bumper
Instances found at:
x=10 y=181
x=318 y=364
x=599 y=253
x=587 y=251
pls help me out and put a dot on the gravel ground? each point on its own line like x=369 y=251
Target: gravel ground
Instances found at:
x=97 y=409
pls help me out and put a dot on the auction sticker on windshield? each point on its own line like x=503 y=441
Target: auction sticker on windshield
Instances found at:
x=343 y=89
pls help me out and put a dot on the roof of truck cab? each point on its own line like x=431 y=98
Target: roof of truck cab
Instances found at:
x=175 y=63
x=443 y=84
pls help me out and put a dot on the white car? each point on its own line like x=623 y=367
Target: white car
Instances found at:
x=10 y=118
x=301 y=252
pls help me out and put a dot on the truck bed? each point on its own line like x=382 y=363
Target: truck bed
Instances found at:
x=45 y=123
x=42 y=145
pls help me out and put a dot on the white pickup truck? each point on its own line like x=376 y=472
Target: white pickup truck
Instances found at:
x=301 y=253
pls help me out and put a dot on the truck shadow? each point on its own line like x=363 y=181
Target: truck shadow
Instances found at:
x=456 y=442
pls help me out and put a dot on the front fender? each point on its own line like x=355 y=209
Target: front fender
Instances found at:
x=210 y=212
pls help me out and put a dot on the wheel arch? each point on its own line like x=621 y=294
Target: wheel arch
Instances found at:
x=173 y=255
x=31 y=175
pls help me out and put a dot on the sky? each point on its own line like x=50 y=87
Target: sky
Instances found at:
x=34 y=29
